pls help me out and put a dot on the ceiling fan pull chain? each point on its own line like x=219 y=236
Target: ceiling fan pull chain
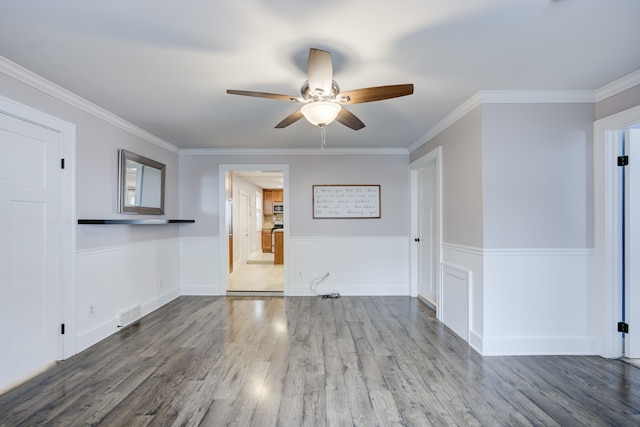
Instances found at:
x=322 y=135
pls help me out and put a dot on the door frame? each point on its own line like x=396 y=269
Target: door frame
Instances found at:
x=434 y=156
x=222 y=226
x=607 y=295
x=67 y=132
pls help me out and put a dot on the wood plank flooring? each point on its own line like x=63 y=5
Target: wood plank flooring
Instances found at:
x=307 y=361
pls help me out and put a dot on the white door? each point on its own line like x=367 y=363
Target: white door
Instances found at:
x=427 y=233
x=30 y=247
x=244 y=227
x=632 y=241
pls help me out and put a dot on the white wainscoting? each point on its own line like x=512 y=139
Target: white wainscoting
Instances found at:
x=200 y=266
x=469 y=260
x=456 y=288
x=537 y=301
x=376 y=265
x=527 y=301
x=115 y=278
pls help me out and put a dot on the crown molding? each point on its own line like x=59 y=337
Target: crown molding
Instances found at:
x=40 y=83
x=462 y=110
x=290 y=151
x=528 y=97
x=504 y=97
x=620 y=85
x=537 y=96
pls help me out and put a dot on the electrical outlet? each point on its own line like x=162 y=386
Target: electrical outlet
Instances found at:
x=299 y=273
x=91 y=310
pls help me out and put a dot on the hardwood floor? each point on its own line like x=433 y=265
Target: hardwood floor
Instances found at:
x=356 y=361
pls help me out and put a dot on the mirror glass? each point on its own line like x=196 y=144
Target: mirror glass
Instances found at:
x=141 y=184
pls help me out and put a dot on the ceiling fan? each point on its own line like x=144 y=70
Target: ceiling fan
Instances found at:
x=321 y=96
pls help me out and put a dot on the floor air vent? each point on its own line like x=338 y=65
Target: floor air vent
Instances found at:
x=128 y=316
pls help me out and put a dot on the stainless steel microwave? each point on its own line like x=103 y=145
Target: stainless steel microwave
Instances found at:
x=278 y=208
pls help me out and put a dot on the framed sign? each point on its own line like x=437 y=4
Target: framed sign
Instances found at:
x=346 y=201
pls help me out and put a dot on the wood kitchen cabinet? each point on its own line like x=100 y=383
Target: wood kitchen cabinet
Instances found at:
x=268 y=198
x=266 y=240
x=267 y=202
x=278 y=251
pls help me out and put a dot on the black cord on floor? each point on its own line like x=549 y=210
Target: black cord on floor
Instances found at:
x=332 y=295
x=317 y=281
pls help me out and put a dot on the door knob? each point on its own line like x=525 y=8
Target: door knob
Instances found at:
x=417 y=239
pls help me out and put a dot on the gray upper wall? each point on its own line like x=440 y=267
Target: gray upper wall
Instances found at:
x=199 y=191
x=521 y=175
x=538 y=175
x=462 y=179
x=97 y=144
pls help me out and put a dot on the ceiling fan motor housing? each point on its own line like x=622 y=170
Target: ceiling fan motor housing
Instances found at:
x=318 y=94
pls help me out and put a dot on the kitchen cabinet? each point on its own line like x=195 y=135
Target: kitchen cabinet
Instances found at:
x=278 y=255
x=268 y=198
x=266 y=240
x=267 y=202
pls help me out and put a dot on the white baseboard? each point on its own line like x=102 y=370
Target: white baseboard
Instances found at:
x=526 y=346
x=200 y=290
x=476 y=342
x=96 y=334
x=346 y=290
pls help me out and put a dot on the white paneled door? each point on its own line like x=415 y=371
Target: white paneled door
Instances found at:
x=30 y=247
x=427 y=230
x=244 y=227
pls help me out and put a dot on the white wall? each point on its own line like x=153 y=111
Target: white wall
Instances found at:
x=115 y=278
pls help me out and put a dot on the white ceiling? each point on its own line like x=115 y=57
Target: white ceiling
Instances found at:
x=263 y=179
x=165 y=65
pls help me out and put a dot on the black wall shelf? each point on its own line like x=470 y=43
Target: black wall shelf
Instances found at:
x=135 y=221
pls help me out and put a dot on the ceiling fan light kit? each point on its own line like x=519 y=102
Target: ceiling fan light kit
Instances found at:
x=321 y=113
x=322 y=98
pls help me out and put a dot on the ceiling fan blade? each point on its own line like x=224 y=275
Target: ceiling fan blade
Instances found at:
x=263 y=95
x=291 y=118
x=320 y=70
x=349 y=119
x=377 y=93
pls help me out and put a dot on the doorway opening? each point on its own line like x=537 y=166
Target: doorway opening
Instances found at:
x=255 y=222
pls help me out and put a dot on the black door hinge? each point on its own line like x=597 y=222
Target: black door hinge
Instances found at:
x=62 y=329
x=61 y=163
x=623 y=160
x=623 y=327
